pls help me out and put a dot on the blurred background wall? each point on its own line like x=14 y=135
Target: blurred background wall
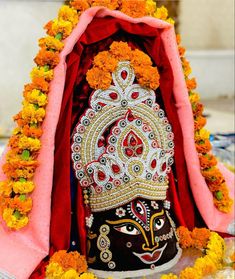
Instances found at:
x=207 y=28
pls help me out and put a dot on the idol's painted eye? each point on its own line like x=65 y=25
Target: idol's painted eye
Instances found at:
x=128 y=229
x=158 y=223
x=139 y=208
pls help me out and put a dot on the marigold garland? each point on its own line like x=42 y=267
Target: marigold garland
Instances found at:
x=100 y=76
x=213 y=246
x=208 y=162
x=65 y=265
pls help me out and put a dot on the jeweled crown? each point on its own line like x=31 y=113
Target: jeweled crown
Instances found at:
x=123 y=144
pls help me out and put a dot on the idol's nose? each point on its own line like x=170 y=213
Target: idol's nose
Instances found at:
x=150 y=249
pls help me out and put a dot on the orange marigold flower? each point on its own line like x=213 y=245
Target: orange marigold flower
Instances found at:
x=80 y=5
x=185 y=239
x=105 y=61
x=181 y=51
x=51 y=43
x=5 y=188
x=120 y=50
x=197 y=109
x=203 y=146
x=200 y=237
x=134 y=8
x=186 y=67
x=19 y=120
x=178 y=39
x=213 y=175
x=98 y=79
x=70 y=260
x=207 y=161
x=225 y=203
x=191 y=83
x=32 y=131
x=38 y=83
x=110 y=4
x=21 y=203
x=199 y=122
x=48 y=28
x=47 y=57
x=140 y=59
x=148 y=77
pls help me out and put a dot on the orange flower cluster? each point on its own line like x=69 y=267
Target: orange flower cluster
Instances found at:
x=208 y=162
x=67 y=265
x=198 y=238
x=99 y=76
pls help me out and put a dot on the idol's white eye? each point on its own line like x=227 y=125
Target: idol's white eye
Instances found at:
x=139 y=208
x=128 y=229
x=158 y=223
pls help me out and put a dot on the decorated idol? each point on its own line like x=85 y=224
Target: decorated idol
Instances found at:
x=109 y=171
x=122 y=151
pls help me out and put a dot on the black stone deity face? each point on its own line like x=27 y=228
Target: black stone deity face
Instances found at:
x=137 y=236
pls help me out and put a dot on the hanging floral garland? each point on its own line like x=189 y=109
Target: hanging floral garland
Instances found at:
x=208 y=162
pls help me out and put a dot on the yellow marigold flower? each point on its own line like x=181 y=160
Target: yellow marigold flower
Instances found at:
x=189 y=273
x=13 y=221
x=169 y=276
x=32 y=114
x=54 y=271
x=5 y=188
x=186 y=67
x=87 y=275
x=23 y=187
x=37 y=97
x=68 y=14
x=42 y=72
x=150 y=7
x=202 y=134
x=194 y=97
x=70 y=274
x=205 y=265
x=62 y=26
x=161 y=13
x=29 y=143
x=51 y=43
x=170 y=20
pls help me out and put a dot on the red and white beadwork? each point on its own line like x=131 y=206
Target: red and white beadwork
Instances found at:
x=124 y=144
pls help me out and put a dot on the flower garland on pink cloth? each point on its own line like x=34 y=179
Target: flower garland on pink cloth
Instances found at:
x=213 y=176
x=25 y=144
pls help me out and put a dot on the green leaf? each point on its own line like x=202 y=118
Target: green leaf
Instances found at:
x=46 y=68
x=59 y=36
x=17 y=214
x=25 y=155
x=218 y=195
x=22 y=179
x=22 y=197
x=36 y=106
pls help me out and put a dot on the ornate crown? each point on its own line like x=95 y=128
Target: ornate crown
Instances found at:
x=123 y=145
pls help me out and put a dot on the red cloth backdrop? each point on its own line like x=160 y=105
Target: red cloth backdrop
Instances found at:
x=100 y=33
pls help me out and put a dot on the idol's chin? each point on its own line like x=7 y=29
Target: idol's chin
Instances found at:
x=140 y=272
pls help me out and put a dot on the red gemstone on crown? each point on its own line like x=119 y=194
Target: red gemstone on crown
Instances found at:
x=130 y=117
x=124 y=74
x=115 y=168
x=113 y=95
x=129 y=152
x=133 y=141
x=100 y=143
x=101 y=175
x=153 y=164
x=139 y=150
x=164 y=166
x=135 y=95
